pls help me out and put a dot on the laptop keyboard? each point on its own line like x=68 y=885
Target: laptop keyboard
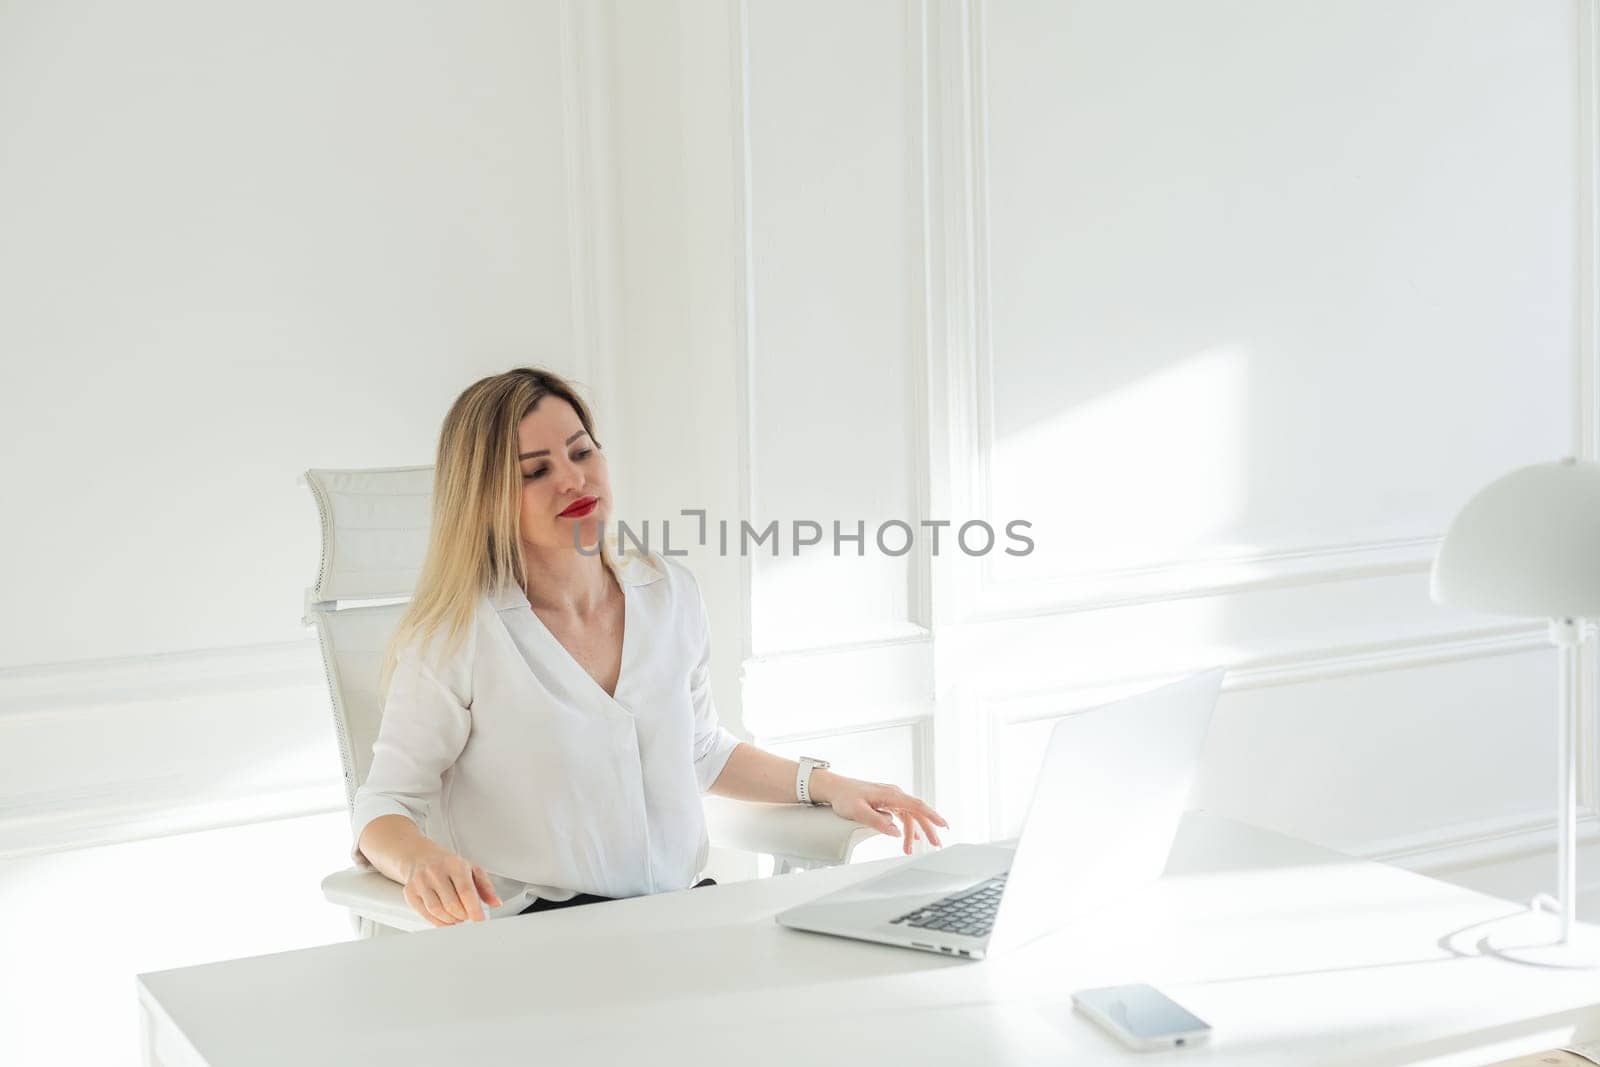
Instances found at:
x=970 y=912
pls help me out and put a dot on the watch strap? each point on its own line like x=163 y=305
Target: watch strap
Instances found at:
x=802 y=779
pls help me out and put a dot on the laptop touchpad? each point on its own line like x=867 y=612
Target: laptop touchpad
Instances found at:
x=911 y=883
x=969 y=861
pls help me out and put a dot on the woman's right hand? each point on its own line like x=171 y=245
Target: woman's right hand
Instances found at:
x=446 y=889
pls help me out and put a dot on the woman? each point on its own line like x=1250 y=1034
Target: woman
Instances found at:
x=563 y=730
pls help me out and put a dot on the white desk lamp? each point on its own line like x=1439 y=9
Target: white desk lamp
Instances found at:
x=1529 y=544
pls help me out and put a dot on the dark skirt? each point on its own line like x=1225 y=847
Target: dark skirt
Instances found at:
x=587 y=898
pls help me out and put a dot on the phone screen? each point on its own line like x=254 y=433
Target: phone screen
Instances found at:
x=1141 y=1010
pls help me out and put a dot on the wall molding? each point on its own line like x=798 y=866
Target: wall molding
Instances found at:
x=866 y=685
x=1314 y=665
x=745 y=326
x=1394 y=654
x=957 y=221
x=960 y=372
x=1586 y=361
x=589 y=163
x=996 y=711
x=1485 y=841
x=48 y=688
x=949 y=72
x=1203 y=576
x=920 y=353
x=1587 y=358
x=139 y=809
x=798 y=694
x=953 y=300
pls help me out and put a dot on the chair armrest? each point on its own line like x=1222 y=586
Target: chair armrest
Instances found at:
x=372 y=896
x=790 y=831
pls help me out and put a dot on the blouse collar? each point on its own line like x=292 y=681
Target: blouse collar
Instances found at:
x=632 y=567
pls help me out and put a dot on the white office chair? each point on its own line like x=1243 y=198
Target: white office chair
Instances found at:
x=374 y=533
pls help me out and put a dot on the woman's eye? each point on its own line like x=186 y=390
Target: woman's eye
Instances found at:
x=583 y=453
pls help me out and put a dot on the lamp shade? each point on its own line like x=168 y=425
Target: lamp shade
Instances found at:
x=1526 y=544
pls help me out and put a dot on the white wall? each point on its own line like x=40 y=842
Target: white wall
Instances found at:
x=235 y=243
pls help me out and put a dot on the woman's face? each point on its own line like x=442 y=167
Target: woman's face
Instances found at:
x=561 y=467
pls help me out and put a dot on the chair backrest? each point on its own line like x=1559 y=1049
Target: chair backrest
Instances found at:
x=375 y=527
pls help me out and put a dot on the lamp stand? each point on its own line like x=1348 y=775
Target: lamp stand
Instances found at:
x=1547 y=934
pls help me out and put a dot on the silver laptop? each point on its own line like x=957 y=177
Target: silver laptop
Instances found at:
x=1113 y=786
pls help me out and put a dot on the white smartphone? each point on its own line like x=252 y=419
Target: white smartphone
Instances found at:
x=1142 y=1017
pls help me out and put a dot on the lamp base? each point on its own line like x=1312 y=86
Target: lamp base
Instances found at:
x=1533 y=937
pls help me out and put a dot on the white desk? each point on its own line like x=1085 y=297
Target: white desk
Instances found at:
x=1294 y=954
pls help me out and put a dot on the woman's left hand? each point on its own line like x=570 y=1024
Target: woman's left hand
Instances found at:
x=875 y=803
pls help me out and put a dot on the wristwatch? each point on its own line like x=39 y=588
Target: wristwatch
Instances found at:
x=802 y=779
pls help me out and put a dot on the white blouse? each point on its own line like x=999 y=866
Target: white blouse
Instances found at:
x=511 y=755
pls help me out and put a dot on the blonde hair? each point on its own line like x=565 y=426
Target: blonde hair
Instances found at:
x=474 y=544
